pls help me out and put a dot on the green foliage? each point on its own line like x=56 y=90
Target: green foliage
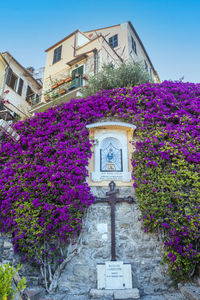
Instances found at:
x=168 y=192
x=7 y=274
x=126 y=75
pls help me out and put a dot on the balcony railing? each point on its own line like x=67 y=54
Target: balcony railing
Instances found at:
x=61 y=90
x=33 y=99
x=58 y=91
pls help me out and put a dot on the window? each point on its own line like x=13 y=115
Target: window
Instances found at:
x=113 y=41
x=29 y=94
x=11 y=79
x=134 y=45
x=57 y=54
x=20 y=87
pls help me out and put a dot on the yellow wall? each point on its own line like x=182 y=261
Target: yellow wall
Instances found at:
x=61 y=70
x=130 y=147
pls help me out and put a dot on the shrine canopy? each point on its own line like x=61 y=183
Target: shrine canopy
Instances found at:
x=110 y=123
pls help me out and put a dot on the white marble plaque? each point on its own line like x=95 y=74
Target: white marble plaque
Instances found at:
x=114 y=275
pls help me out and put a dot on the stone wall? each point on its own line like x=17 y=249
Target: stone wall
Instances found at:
x=7 y=255
x=142 y=250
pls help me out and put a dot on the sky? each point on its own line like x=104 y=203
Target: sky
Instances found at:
x=169 y=29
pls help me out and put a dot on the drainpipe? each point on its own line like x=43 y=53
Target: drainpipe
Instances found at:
x=95 y=61
x=75 y=42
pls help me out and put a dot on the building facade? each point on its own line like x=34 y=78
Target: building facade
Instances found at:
x=18 y=87
x=81 y=54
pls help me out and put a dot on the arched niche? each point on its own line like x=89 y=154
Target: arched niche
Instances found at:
x=112 y=151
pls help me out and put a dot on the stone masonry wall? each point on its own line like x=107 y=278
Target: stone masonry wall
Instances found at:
x=141 y=250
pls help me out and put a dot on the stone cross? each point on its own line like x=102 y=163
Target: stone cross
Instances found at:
x=112 y=200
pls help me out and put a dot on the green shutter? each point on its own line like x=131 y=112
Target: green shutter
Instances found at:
x=9 y=76
x=78 y=70
x=20 y=86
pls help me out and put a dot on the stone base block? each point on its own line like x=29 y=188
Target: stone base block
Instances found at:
x=129 y=294
x=100 y=294
x=191 y=292
x=34 y=293
x=126 y=294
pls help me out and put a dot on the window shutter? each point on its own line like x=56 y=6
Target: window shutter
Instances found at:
x=28 y=92
x=77 y=70
x=9 y=76
x=20 y=86
x=57 y=54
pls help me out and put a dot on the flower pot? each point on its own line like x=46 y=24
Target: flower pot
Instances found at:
x=68 y=79
x=84 y=77
x=47 y=98
x=61 y=82
x=54 y=86
x=62 y=92
x=55 y=95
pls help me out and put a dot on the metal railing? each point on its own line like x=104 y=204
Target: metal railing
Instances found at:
x=34 y=100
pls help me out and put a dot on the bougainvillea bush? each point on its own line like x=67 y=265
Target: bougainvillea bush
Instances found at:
x=43 y=187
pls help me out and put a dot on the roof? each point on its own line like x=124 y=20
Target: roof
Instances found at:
x=129 y=23
x=24 y=69
x=3 y=59
x=110 y=123
x=102 y=28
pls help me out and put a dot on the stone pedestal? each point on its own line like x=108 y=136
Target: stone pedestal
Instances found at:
x=129 y=294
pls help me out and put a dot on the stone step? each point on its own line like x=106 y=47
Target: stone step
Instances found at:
x=127 y=294
x=191 y=292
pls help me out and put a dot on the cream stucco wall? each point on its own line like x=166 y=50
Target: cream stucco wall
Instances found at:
x=61 y=70
x=18 y=101
x=124 y=48
x=3 y=66
x=78 y=43
x=109 y=32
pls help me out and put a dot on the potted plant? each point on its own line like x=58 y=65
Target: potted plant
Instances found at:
x=62 y=92
x=47 y=98
x=84 y=76
x=68 y=79
x=61 y=82
x=55 y=85
x=54 y=95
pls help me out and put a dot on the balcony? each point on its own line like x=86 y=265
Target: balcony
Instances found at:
x=61 y=92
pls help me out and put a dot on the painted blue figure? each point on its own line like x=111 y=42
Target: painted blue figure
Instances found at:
x=110 y=155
